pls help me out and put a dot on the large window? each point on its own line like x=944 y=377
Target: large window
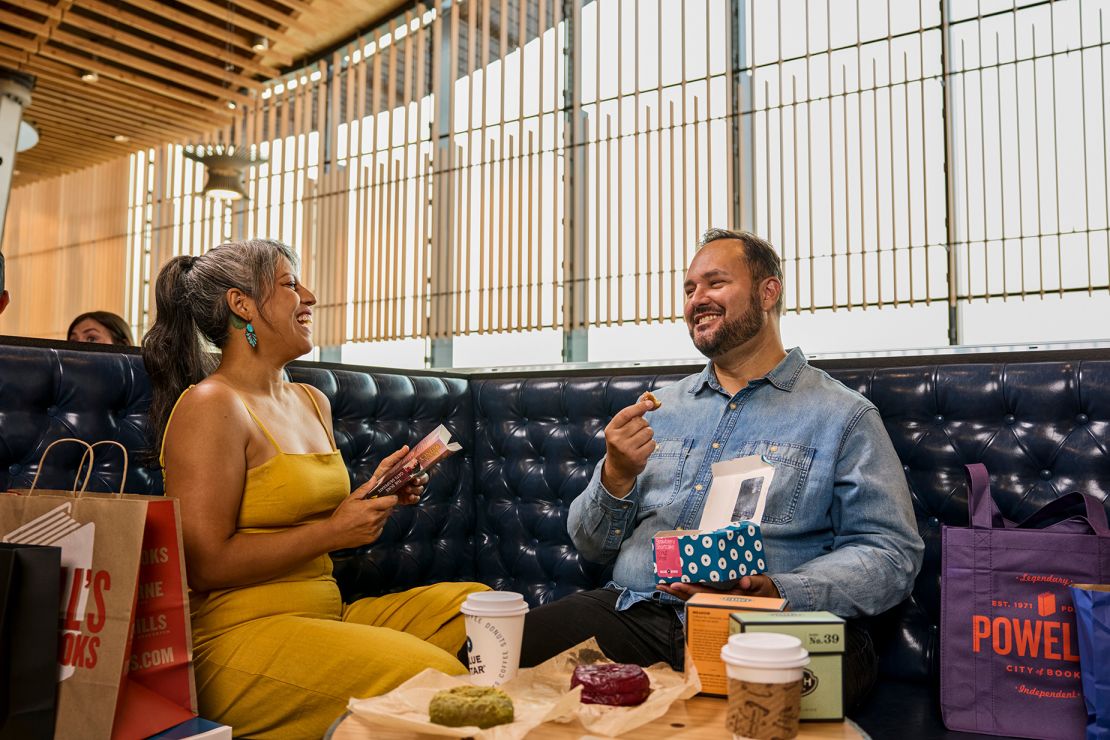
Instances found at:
x=930 y=173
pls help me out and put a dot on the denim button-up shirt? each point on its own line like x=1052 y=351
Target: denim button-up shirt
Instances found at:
x=838 y=527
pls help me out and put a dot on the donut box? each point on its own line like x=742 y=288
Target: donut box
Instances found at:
x=724 y=548
x=718 y=557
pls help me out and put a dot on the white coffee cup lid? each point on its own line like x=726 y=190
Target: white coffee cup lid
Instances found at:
x=494 y=604
x=765 y=650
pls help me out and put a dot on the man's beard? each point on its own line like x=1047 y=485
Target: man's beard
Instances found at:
x=732 y=332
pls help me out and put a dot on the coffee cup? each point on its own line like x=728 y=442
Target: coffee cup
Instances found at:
x=494 y=629
x=764 y=684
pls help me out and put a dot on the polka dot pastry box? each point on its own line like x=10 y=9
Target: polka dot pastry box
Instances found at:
x=719 y=556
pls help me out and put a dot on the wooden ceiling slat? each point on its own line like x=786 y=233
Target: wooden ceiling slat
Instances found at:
x=113 y=92
x=80 y=98
x=49 y=10
x=148 y=68
x=124 y=75
x=14 y=56
x=18 y=42
x=300 y=6
x=217 y=32
x=63 y=141
x=152 y=47
x=166 y=69
x=225 y=14
x=187 y=40
x=281 y=17
x=111 y=121
x=39 y=28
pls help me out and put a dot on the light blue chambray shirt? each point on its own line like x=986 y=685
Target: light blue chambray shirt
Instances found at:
x=838 y=527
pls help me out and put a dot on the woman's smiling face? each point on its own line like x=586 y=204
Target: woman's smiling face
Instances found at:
x=288 y=313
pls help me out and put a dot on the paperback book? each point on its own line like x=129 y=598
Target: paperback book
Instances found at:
x=423 y=456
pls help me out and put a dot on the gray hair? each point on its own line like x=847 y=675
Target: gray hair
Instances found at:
x=191 y=298
x=763 y=261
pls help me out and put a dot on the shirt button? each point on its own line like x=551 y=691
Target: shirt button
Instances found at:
x=732 y=406
x=698 y=487
x=716 y=445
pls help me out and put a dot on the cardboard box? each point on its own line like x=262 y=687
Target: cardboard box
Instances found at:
x=721 y=550
x=822 y=634
x=721 y=556
x=707 y=630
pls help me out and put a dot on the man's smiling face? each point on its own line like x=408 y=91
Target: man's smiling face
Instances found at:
x=723 y=309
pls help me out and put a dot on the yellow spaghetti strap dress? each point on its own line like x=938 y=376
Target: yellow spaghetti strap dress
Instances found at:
x=280 y=659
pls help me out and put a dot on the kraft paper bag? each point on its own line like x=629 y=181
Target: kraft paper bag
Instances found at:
x=125 y=648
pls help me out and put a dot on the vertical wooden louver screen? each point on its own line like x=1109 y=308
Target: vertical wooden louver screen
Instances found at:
x=501 y=165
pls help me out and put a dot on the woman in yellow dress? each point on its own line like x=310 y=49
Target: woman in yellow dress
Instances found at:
x=265 y=496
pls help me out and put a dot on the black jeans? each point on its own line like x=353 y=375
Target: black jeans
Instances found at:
x=651 y=632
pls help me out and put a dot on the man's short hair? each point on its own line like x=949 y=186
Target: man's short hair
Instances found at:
x=763 y=260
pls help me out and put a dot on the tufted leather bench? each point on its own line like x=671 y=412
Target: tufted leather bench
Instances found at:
x=497 y=511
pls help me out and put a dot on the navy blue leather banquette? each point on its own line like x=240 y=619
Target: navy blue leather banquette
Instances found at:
x=497 y=512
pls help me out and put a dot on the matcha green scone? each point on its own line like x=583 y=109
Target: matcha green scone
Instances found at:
x=477 y=706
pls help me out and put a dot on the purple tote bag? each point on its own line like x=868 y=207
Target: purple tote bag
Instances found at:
x=1009 y=655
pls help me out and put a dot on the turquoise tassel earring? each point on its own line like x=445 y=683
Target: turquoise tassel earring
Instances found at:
x=252 y=338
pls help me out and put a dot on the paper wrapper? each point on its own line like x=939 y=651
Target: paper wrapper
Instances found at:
x=539 y=695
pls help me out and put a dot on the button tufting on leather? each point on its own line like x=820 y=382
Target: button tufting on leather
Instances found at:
x=1009 y=418
x=1046 y=474
x=1082 y=419
x=51 y=410
x=938 y=418
x=15 y=469
x=933 y=521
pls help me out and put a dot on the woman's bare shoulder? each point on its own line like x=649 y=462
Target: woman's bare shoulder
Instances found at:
x=211 y=405
x=321 y=399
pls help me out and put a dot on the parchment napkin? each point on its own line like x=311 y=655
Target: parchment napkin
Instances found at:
x=540 y=694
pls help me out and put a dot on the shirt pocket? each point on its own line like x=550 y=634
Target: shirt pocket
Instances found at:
x=662 y=478
x=791 y=463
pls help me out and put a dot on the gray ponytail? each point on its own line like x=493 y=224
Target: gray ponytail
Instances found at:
x=191 y=300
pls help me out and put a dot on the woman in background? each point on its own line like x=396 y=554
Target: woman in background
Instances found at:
x=100 y=327
x=265 y=496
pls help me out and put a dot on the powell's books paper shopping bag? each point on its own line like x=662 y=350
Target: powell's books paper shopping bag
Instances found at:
x=125 y=651
x=1009 y=658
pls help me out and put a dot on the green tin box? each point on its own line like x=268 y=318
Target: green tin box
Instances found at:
x=822 y=634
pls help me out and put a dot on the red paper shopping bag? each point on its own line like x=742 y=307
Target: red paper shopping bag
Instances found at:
x=125 y=650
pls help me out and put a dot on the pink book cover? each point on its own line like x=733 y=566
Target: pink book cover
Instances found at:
x=425 y=454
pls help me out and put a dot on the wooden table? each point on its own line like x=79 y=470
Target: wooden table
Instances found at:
x=700 y=718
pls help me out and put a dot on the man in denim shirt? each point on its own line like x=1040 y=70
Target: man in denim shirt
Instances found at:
x=838 y=527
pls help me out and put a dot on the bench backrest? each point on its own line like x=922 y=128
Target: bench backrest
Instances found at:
x=497 y=511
